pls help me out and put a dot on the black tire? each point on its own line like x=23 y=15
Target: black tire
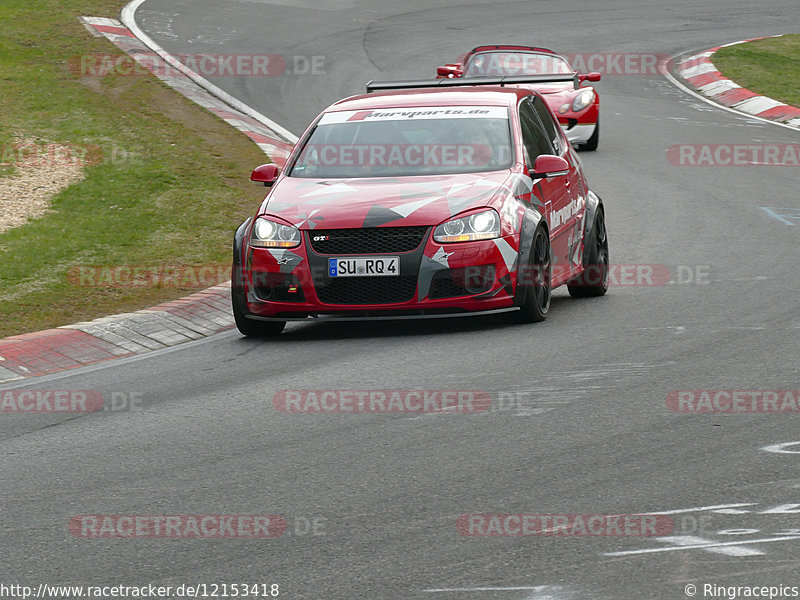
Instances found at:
x=246 y=326
x=594 y=279
x=591 y=143
x=535 y=281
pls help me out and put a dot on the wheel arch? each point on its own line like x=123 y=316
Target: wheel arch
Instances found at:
x=531 y=221
x=593 y=204
x=238 y=244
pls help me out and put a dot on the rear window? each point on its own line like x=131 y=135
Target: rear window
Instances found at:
x=497 y=64
x=407 y=141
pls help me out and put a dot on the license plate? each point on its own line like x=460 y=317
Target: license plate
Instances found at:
x=372 y=266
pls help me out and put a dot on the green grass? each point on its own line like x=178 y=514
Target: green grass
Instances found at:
x=168 y=183
x=770 y=67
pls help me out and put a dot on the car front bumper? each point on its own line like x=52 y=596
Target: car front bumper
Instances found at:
x=580 y=133
x=434 y=280
x=580 y=126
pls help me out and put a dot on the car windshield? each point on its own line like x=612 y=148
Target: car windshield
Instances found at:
x=407 y=141
x=494 y=64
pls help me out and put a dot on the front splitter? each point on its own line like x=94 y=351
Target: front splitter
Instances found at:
x=397 y=317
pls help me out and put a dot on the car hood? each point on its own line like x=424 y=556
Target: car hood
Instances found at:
x=554 y=88
x=373 y=202
x=554 y=94
x=548 y=88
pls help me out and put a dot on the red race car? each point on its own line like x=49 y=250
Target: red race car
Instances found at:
x=423 y=199
x=577 y=108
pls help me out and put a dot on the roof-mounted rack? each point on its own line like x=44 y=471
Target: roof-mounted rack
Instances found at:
x=375 y=86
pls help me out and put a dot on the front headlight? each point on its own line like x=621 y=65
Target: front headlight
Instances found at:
x=483 y=225
x=583 y=99
x=271 y=234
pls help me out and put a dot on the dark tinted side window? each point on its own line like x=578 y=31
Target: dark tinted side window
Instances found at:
x=550 y=126
x=534 y=137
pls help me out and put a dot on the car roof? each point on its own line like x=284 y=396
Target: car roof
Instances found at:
x=446 y=96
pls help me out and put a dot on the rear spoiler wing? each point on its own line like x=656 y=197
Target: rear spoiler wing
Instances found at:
x=376 y=86
x=509 y=47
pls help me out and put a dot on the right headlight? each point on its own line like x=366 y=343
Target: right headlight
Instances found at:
x=583 y=99
x=271 y=234
x=483 y=225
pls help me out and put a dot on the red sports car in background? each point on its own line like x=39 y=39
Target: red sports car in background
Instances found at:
x=420 y=202
x=578 y=110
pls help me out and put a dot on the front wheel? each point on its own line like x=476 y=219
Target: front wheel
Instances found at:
x=535 y=281
x=594 y=279
x=246 y=326
x=592 y=142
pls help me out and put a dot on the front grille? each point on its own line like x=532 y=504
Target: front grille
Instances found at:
x=367 y=240
x=463 y=281
x=367 y=290
x=277 y=287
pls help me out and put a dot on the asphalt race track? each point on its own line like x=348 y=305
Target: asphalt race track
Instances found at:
x=580 y=423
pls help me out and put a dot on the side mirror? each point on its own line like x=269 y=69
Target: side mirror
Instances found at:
x=448 y=71
x=266 y=174
x=593 y=77
x=547 y=165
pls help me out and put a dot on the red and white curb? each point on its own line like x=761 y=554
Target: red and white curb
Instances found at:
x=175 y=322
x=193 y=317
x=701 y=74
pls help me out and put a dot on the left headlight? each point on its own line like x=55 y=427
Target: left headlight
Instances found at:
x=271 y=234
x=583 y=99
x=483 y=225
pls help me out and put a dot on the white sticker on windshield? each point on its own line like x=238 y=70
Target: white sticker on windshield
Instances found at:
x=416 y=113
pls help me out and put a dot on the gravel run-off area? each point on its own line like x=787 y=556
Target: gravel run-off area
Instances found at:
x=40 y=171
